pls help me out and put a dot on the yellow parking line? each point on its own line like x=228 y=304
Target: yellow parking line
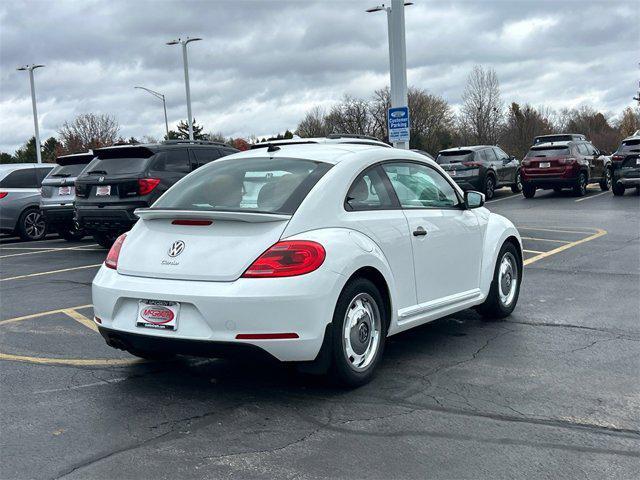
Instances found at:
x=592 y=196
x=545 y=240
x=51 y=272
x=600 y=232
x=46 y=250
x=78 y=317
x=42 y=314
x=83 y=362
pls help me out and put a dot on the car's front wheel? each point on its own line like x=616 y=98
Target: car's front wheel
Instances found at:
x=358 y=334
x=505 y=286
x=31 y=225
x=489 y=187
x=605 y=183
x=517 y=186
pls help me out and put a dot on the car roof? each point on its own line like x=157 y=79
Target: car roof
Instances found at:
x=635 y=136
x=321 y=152
x=16 y=166
x=154 y=147
x=330 y=139
x=470 y=147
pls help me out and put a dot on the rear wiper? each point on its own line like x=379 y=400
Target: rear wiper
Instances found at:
x=92 y=172
x=62 y=175
x=540 y=156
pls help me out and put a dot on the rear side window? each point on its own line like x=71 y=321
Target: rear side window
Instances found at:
x=489 y=155
x=206 y=155
x=249 y=184
x=115 y=166
x=368 y=192
x=23 y=178
x=500 y=153
x=456 y=156
x=172 y=161
x=553 y=151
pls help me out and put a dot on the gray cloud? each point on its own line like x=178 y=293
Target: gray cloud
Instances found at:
x=262 y=64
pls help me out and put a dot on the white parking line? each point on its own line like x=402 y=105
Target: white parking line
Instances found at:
x=503 y=198
x=532 y=251
x=592 y=196
x=545 y=240
x=523 y=227
x=48 y=250
x=51 y=272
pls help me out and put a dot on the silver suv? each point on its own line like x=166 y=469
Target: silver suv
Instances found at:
x=59 y=194
x=20 y=199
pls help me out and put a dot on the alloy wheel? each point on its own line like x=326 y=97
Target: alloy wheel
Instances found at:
x=34 y=225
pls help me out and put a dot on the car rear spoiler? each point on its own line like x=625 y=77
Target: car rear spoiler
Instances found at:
x=123 y=151
x=75 y=159
x=249 y=217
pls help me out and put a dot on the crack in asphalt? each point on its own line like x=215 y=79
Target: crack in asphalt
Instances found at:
x=618 y=335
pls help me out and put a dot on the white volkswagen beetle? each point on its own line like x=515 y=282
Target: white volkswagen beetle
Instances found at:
x=305 y=253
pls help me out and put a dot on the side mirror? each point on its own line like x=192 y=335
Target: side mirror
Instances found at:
x=473 y=199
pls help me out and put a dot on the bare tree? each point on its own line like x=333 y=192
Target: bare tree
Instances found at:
x=522 y=124
x=313 y=124
x=630 y=121
x=352 y=115
x=88 y=131
x=481 y=114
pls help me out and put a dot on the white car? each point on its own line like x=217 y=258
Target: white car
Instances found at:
x=305 y=253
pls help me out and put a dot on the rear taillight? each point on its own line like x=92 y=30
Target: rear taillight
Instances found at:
x=567 y=161
x=526 y=163
x=3 y=194
x=472 y=164
x=112 y=257
x=193 y=223
x=146 y=185
x=287 y=259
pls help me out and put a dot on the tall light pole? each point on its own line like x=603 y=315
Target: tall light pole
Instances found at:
x=186 y=77
x=397 y=54
x=30 y=69
x=164 y=105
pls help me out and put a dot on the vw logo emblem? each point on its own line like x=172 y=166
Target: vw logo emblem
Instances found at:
x=176 y=248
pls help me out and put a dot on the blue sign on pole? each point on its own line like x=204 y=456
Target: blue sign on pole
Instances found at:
x=398 y=123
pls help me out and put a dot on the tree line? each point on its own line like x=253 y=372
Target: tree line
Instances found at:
x=481 y=119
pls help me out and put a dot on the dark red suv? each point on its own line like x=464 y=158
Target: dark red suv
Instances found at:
x=559 y=165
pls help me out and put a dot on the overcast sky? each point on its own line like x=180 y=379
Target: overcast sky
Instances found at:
x=262 y=64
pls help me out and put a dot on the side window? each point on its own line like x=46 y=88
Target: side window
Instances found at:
x=500 y=153
x=176 y=160
x=368 y=192
x=490 y=154
x=23 y=178
x=582 y=148
x=418 y=186
x=206 y=155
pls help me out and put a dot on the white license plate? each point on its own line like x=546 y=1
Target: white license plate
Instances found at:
x=64 y=190
x=158 y=314
x=103 y=190
x=544 y=165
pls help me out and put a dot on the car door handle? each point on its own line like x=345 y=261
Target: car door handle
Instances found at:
x=419 y=232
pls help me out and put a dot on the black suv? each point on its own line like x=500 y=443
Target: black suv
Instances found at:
x=626 y=165
x=481 y=167
x=122 y=178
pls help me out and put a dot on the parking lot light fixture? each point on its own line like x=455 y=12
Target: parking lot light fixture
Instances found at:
x=30 y=69
x=185 y=61
x=164 y=105
x=397 y=54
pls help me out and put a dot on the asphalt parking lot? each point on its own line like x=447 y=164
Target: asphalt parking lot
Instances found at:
x=551 y=392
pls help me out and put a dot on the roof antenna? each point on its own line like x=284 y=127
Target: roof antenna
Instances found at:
x=273 y=148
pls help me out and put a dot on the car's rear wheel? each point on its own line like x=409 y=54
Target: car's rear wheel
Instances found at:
x=72 y=234
x=358 y=334
x=489 y=187
x=580 y=187
x=517 y=186
x=31 y=225
x=618 y=190
x=605 y=183
x=557 y=189
x=529 y=191
x=105 y=240
x=505 y=287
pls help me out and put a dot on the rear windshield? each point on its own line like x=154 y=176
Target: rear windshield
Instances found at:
x=115 y=166
x=548 y=151
x=63 y=171
x=630 y=146
x=246 y=185
x=456 y=156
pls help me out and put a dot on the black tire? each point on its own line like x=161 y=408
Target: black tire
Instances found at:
x=618 y=190
x=31 y=225
x=105 y=240
x=605 y=183
x=149 y=355
x=494 y=307
x=557 y=189
x=72 y=234
x=342 y=370
x=580 y=187
x=489 y=188
x=528 y=190
x=517 y=187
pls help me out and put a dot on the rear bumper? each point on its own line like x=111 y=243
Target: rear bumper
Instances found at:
x=546 y=183
x=212 y=314
x=57 y=214
x=627 y=177
x=469 y=183
x=110 y=218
